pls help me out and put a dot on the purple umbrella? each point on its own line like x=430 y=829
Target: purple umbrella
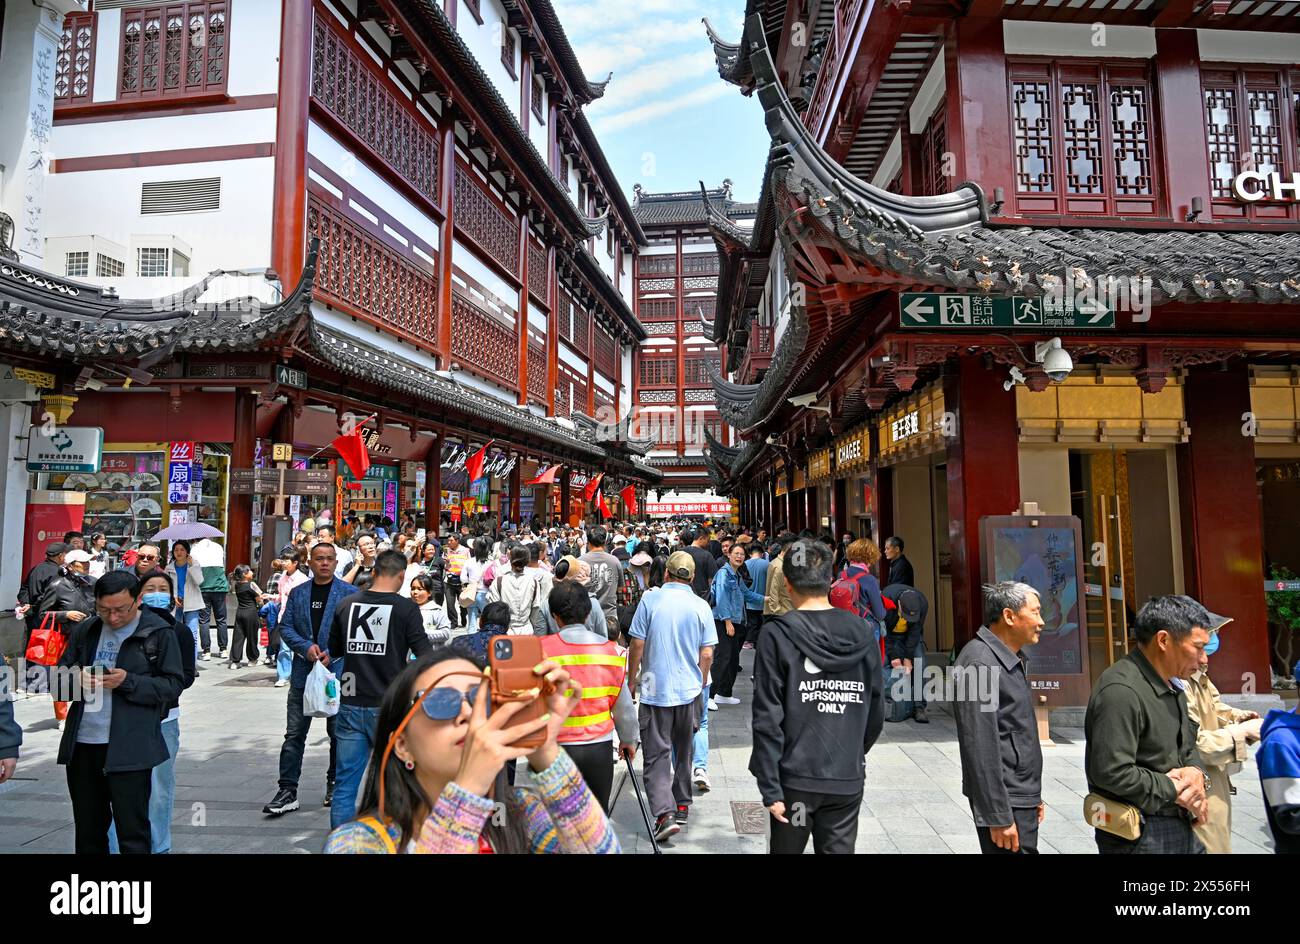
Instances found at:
x=189 y=531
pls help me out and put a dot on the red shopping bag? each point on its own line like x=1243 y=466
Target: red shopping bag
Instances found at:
x=265 y=637
x=47 y=643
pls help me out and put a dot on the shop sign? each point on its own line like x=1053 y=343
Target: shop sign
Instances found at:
x=290 y=377
x=909 y=424
x=688 y=508
x=495 y=465
x=282 y=452
x=180 y=452
x=390 y=499
x=1281 y=586
x=799 y=481
x=65 y=449
x=454 y=513
x=853 y=450
x=932 y=310
x=1272 y=186
x=819 y=465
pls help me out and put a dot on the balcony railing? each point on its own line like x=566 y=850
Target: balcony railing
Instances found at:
x=758 y=353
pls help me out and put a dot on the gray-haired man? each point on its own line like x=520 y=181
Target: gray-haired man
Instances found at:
x=1001 y=760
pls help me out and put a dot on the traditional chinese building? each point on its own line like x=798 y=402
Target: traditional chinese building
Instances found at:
x=677 y=293
x=950 y=187
x=471 y=279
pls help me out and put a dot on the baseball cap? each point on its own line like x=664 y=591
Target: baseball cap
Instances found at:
x=75 y=556
x=681 y=565
x=55 y=548
x=909 y=605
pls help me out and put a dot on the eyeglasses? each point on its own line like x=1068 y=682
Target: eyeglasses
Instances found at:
x=146 y=556
x=443 y=703
x=106 y=612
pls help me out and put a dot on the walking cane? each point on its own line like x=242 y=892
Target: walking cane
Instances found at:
x=645 y=808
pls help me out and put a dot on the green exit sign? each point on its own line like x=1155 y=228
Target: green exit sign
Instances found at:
x=290 y=377
x=933 y=310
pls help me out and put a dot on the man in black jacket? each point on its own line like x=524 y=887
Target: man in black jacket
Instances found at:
x=817 y=696
x=1001 y=760
x=898 y=569
x=34 y=586
x=121 y=670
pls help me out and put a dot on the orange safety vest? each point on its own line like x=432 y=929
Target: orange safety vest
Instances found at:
x=599 y=669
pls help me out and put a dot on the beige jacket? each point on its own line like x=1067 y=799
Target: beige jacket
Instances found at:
x=777 y=600
x=1221 y=743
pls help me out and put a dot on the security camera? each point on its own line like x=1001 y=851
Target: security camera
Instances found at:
x=771 y=440
x=1017 y=377
x=807 y=400
x=1055 y=360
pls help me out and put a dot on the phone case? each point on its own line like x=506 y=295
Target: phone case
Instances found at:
x=516 y=674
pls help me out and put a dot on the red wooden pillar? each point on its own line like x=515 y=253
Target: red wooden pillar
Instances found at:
x=516 y=480
x=1222 y=533
x=982 y=478
x=810 y=504
x=882 y=513
x=980 y=139
x=447 y=181
x=523 y=304
x=564 y=495
x=681 y=338
x=1182 y=121
x=289 y=195
x=433 y=487
x=552 y=330
x=239 y=517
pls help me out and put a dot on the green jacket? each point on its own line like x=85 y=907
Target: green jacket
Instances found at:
x=1137 y=730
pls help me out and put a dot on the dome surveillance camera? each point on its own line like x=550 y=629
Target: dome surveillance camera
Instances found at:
x=1055 y=360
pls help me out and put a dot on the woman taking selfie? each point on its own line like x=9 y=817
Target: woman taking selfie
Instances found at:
x=439 y=758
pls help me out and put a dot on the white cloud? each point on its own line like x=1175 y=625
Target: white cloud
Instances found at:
x=653 y=79
x=698 y=96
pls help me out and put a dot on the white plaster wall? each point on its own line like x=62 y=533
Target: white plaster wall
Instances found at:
x=1031 y=38
x=137 y=135
x=927 y=97
x=254 y=45
x=485 y=43
x=890 y=164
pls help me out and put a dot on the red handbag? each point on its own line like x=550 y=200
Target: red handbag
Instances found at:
x=265 y=636
x=47 y=643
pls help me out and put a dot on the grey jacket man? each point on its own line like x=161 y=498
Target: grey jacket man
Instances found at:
x=1001 y=760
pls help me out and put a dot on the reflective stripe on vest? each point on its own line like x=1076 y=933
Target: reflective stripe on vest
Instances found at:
x=599 y=670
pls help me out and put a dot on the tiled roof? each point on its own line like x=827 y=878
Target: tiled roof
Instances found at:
x=660 y=209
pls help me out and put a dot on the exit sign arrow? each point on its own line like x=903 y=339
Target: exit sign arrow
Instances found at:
x=918 y=309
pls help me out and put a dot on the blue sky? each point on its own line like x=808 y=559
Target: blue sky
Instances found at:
x=667 y=121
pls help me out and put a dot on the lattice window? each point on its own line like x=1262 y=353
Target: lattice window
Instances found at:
x=347 y=88
x=696 y=371
x=658 y=265
x=1083 y=138
x=481 y=342
x=606 y=352
x=151 y=262
x=76 y=264
x=658 y=371
x=658 y=285
x=581 y=328
x=535 y=102
x=697 y=284
x=173 y=50
x=74 y=64
x=508 y=50
x=537 y=373
x=478 y=215
x=537 y=271
x=661 y=328
x=1251 y=122
x=658 y=309
x=934 y=147
x=1031 y=103
x=702 y=306
x=656 y=396
x=360 y=273
x=699 y=396
x=566 y=316
x=108 y=267
x=697 y=262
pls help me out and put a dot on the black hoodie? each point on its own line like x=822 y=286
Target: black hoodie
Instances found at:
x=818 y=703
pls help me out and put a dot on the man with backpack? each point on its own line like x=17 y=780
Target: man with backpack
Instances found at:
x=817 y=697
x=904 y=632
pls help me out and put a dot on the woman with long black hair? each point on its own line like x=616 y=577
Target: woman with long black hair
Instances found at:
x=439 y=761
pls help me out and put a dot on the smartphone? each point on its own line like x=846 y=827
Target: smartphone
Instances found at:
x=511 y=660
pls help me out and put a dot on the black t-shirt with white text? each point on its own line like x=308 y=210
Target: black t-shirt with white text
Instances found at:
x=320 y=592
x=375 y=633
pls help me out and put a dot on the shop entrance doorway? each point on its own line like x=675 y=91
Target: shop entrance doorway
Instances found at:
x=920 y=488
x=1127 y=499
x=1277 y=475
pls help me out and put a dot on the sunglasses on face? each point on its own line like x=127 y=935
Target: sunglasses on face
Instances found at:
x=147 y=556
x=443 y=703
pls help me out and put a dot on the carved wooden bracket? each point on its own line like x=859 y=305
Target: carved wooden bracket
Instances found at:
x=1154 y=372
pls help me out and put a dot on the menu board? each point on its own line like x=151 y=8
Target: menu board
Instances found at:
x=124 y=499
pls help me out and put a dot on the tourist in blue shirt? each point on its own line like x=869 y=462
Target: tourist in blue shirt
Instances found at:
x=730 y=598
x=672 y=638
x=757 y=566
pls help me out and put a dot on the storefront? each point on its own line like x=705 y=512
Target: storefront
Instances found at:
x=819 y=489
x=911 y=465
x=853 y=483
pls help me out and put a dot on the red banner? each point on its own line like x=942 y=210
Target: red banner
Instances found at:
x=722 y=507
x=629 y=498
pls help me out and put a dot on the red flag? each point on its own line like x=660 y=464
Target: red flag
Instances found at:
x=546 y=476
x=604 y=509
x=629 y=498
x=352 y=449
x=475 y=464
x=591 y=487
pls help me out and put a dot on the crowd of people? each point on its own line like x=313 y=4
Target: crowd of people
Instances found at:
x=642 y=628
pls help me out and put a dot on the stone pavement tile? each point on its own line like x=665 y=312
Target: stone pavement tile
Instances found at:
x=966 y=843
x=1073 y=845
x=906 y=826
x=921 y=845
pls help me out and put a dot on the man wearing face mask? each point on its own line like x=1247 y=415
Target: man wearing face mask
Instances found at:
x=1223 y=738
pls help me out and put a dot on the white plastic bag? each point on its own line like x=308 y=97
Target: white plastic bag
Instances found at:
x=320 y=699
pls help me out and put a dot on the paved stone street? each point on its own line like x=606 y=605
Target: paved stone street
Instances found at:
x=233 y=723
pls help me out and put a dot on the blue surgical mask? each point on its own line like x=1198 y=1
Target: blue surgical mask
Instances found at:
x=1212 y=646
x=157 y=599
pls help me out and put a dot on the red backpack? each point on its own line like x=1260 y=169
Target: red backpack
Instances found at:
x=846 y=594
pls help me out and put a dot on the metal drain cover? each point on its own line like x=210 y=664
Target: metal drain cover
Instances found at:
x=749 y=817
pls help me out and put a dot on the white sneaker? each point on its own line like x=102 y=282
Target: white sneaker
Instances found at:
x=726 y=700
x=713 y=705
x=281 y=683
x=700 y=777
x=61 y=724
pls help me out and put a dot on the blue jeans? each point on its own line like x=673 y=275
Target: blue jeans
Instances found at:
x=191 y=620
x=283 y=661
x=355 y=732
x=472 y=614
x=701 y=742
x=162 y=794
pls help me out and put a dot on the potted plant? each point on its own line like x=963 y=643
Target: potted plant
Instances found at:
x=1284 y=616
